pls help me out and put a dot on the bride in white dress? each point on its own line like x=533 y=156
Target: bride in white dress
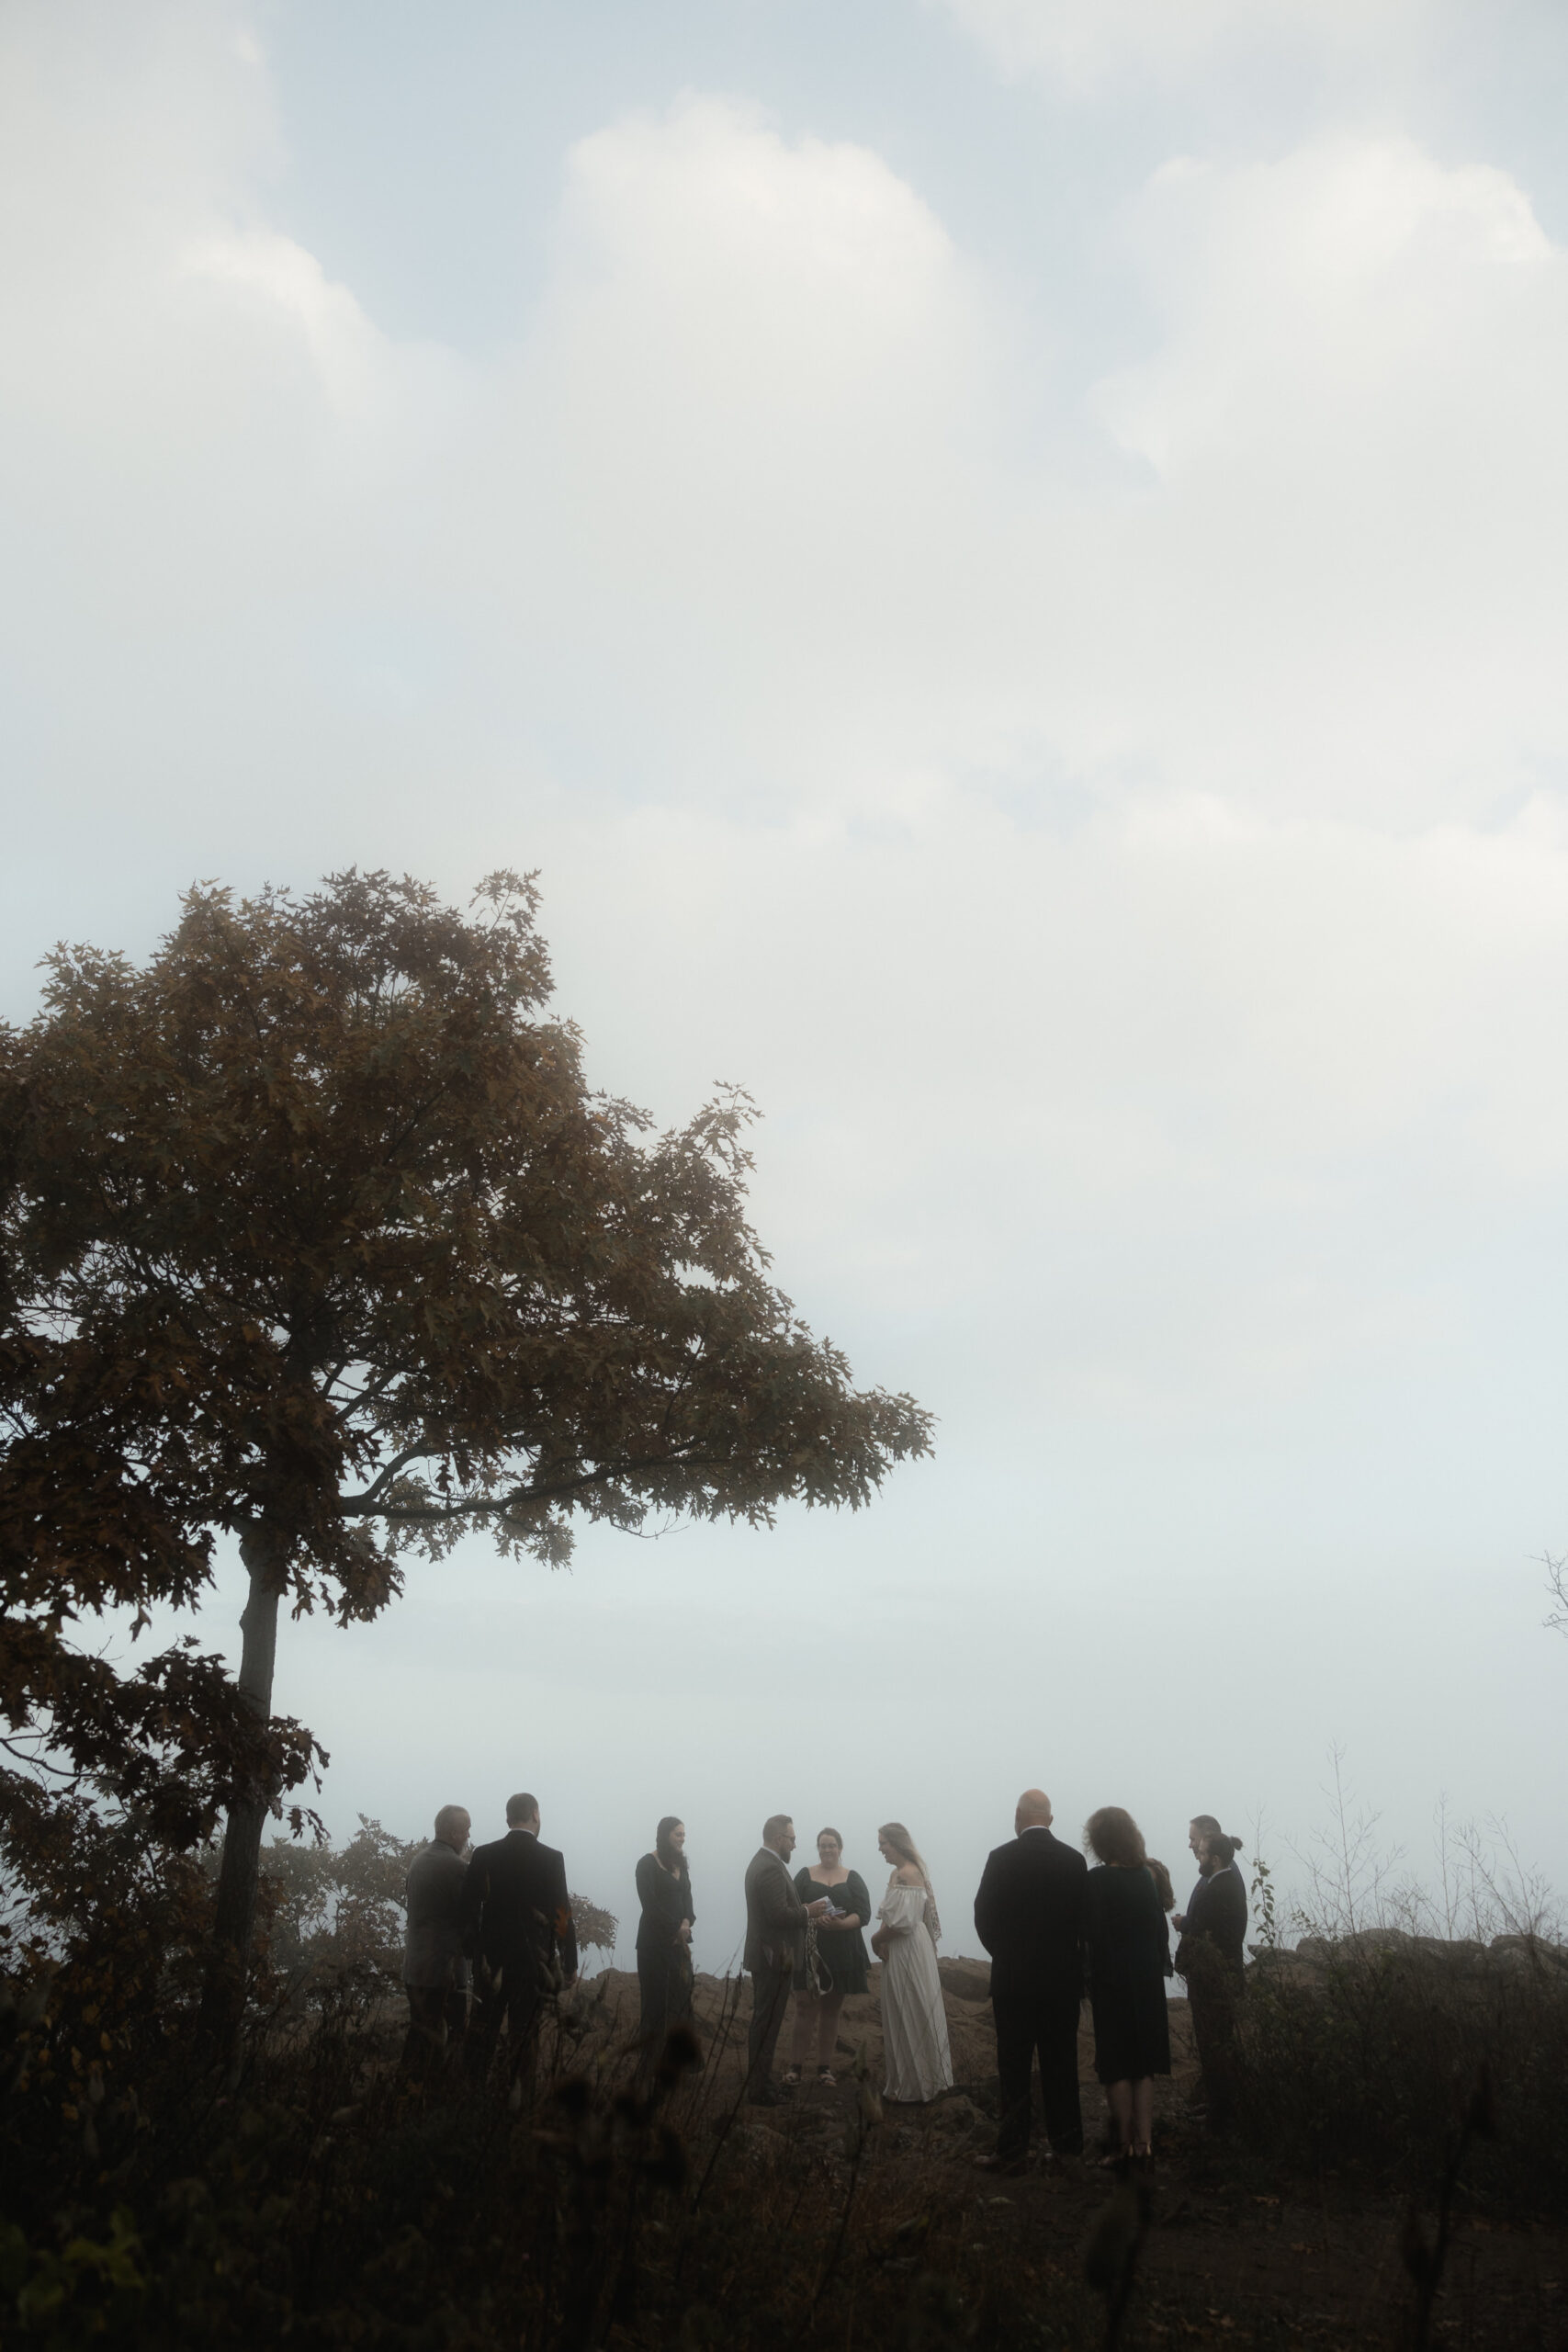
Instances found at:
x=914 y=2022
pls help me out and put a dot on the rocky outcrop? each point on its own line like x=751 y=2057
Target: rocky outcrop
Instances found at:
x=1455 y=1956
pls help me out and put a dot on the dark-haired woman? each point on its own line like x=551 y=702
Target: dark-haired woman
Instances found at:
x=664 y=1939
x=1129 y=1959
x=842 y=1959
x=1211 y=1956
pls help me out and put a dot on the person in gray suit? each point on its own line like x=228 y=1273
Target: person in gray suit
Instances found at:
x=435 y=1972
x=775 y=1948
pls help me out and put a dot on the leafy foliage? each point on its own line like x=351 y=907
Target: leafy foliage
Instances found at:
x=311 y=1232
x=596 y=1928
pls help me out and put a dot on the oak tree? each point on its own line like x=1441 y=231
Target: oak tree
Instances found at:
x=314 y=1235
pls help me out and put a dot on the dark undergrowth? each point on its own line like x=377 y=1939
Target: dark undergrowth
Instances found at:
x=1366 y=2058
x=327 y=2199
x=318 y=2196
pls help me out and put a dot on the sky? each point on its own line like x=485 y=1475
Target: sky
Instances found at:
x=1004 y=560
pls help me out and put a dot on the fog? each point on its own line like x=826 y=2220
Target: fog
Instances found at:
x=1006 y=567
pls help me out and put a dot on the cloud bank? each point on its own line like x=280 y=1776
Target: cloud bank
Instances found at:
x=1120 y=839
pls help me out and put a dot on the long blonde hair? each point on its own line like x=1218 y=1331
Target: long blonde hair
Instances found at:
x=895 y=1834
x=899 y=1837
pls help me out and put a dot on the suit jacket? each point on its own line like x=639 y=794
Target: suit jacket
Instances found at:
x=515 y=1906
x=775 y=1915
x=1217 y=1916
x=433 y=1939
x=1029 y=1913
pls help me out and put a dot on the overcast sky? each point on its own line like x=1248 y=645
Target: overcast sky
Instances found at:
x=1005 y=561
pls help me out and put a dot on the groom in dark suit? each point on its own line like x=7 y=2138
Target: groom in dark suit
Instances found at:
x=1029 y=1913
x=517 y=1928
x=775 y=1949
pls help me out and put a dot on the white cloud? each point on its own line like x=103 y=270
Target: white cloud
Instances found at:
x=1083 y=43
x=761 y=455
x=197 y=419
x=746 y=438
x=747 y=526
x=1344 y=571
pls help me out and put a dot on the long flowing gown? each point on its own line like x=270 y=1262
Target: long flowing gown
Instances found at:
x=914 y=2022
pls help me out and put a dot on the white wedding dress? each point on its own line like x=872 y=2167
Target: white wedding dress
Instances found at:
x=914 y=2023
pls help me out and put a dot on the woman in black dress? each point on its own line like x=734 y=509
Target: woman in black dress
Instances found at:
x=664 y=1939
x=1129 y=1959
x=840 y=1954
x=1211 y=1956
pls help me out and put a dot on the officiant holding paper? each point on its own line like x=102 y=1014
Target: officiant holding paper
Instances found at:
x=842 y=1965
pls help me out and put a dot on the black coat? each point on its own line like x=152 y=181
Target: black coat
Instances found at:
x=1216 y=1916
x=516 y=1907
x=666 y=1901
x=1029 y=1913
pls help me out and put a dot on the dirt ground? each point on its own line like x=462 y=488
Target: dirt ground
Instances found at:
x=1235 y=2254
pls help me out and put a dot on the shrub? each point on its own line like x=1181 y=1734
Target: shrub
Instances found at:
x=1362 y=2050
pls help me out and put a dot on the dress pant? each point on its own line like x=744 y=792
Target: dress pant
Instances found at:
x=438 y=2020
x=770 y=1998
x=664 y=1985
x=508 y=1996
x=1042 y=2019
x=1213 y=1995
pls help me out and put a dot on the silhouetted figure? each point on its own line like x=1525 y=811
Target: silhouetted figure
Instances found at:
x=1129 y=1959
x=775 y=1949
x=663 y=1939
x=1029 y=1913
x=435 y=1971
x=517 y=1928
x=1211 y=1956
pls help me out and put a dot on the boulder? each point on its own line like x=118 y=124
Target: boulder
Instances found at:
x=965 y=1980
x=1378 y=1940
x=1527 y=1952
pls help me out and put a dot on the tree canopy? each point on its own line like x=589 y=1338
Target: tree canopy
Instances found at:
x=315 y=1235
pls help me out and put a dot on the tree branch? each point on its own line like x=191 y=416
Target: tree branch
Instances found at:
x=364 y=1506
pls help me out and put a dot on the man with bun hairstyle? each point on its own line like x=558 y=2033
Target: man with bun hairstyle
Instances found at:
x=1201 y=1826
x=1211 y=1956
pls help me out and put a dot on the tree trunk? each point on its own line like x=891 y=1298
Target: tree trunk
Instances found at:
x=228 y=1962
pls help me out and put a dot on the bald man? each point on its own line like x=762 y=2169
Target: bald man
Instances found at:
x=1029 y=1915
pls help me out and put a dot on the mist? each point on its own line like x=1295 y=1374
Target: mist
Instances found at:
x=1010 y=583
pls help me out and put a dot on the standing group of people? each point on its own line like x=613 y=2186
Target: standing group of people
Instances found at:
x=496 y=1922
x=1057 y=1930
x=1054 y=1928
x=802 y=1939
